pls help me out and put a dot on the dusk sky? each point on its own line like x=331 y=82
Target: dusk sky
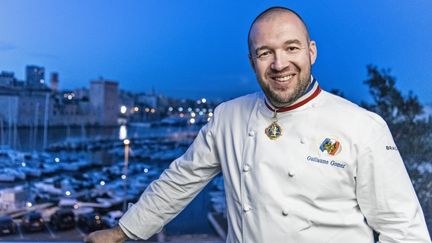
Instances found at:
x=198 y=48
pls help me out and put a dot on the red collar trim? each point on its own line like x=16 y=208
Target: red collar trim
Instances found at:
x=297 y=105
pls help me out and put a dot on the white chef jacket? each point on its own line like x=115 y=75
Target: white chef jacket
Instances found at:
x=291 y=189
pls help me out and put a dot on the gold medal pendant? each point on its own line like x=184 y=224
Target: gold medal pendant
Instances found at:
x=274 y=131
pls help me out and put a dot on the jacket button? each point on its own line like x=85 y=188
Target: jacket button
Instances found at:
x=285 y=212
x=246 y=168
x=251 y=133
x=291 y=174
x=246 y=208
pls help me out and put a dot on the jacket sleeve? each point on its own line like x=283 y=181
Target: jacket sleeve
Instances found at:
x=177 y=186
x=385 y=193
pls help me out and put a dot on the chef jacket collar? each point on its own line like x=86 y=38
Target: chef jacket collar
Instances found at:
x=312 y=91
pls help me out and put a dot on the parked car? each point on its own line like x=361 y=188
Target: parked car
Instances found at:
x=33 y=222
x=62 y=219
x=7 y=225
x=90 y=222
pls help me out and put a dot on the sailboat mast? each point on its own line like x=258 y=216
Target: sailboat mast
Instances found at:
x=45 y=135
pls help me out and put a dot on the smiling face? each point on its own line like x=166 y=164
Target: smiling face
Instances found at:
x=281 y=55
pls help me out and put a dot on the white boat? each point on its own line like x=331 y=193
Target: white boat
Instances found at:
x=50 y=168
x=69 y=166
x=109 y=201
x=34 y=172
x=11 y=155
x=19 y=175
x=6 y=177
x=75 y=165
x=48 y=188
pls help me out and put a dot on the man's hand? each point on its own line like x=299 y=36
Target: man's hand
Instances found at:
x=114 y=235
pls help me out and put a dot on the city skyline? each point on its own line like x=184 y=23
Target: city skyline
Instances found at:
x=198 y=49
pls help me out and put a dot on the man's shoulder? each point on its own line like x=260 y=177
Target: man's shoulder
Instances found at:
x=349 y=110
x=242 y=102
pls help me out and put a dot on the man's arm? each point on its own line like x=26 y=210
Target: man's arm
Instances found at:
x=177 y=186
x=385 y=193
x=174 y=190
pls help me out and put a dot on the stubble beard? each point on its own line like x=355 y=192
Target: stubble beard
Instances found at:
x=285 y=97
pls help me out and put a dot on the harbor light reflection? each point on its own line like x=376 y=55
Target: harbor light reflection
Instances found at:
x=123 y=132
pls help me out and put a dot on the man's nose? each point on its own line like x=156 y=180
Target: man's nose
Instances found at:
x=280 y=62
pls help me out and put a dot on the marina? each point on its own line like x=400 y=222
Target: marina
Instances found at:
x=98 y=175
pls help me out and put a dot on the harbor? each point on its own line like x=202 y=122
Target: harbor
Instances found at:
x=99 y=171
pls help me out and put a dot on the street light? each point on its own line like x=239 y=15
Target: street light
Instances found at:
x=123 y=109
x=126 y=143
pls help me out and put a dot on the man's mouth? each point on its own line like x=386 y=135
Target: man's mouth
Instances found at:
x=284 y=78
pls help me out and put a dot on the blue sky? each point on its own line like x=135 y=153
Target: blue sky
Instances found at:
x=198 y=48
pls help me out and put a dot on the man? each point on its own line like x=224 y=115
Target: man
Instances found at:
x=299 y=164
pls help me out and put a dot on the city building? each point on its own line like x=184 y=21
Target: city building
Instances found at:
x=149 y=100
x=36 y=105
x=23 y=106
x=104 y=101
x=33 y=104
x=35 y=76
x=70 y=108
x=54 y=82
x=8 y=115
x=7 y=79
x=147 y=108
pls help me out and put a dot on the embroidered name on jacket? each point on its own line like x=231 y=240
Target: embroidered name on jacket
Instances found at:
x=326 y=162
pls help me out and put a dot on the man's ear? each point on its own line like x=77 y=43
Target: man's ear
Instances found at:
x=313 y=52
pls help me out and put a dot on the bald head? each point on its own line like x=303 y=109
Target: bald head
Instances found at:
x=270 y=14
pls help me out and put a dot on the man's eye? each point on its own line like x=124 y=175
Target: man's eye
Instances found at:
x=292 y=48
x=263 y=54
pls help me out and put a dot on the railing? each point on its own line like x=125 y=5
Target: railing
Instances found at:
x=65 y=241
x=129 y=241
